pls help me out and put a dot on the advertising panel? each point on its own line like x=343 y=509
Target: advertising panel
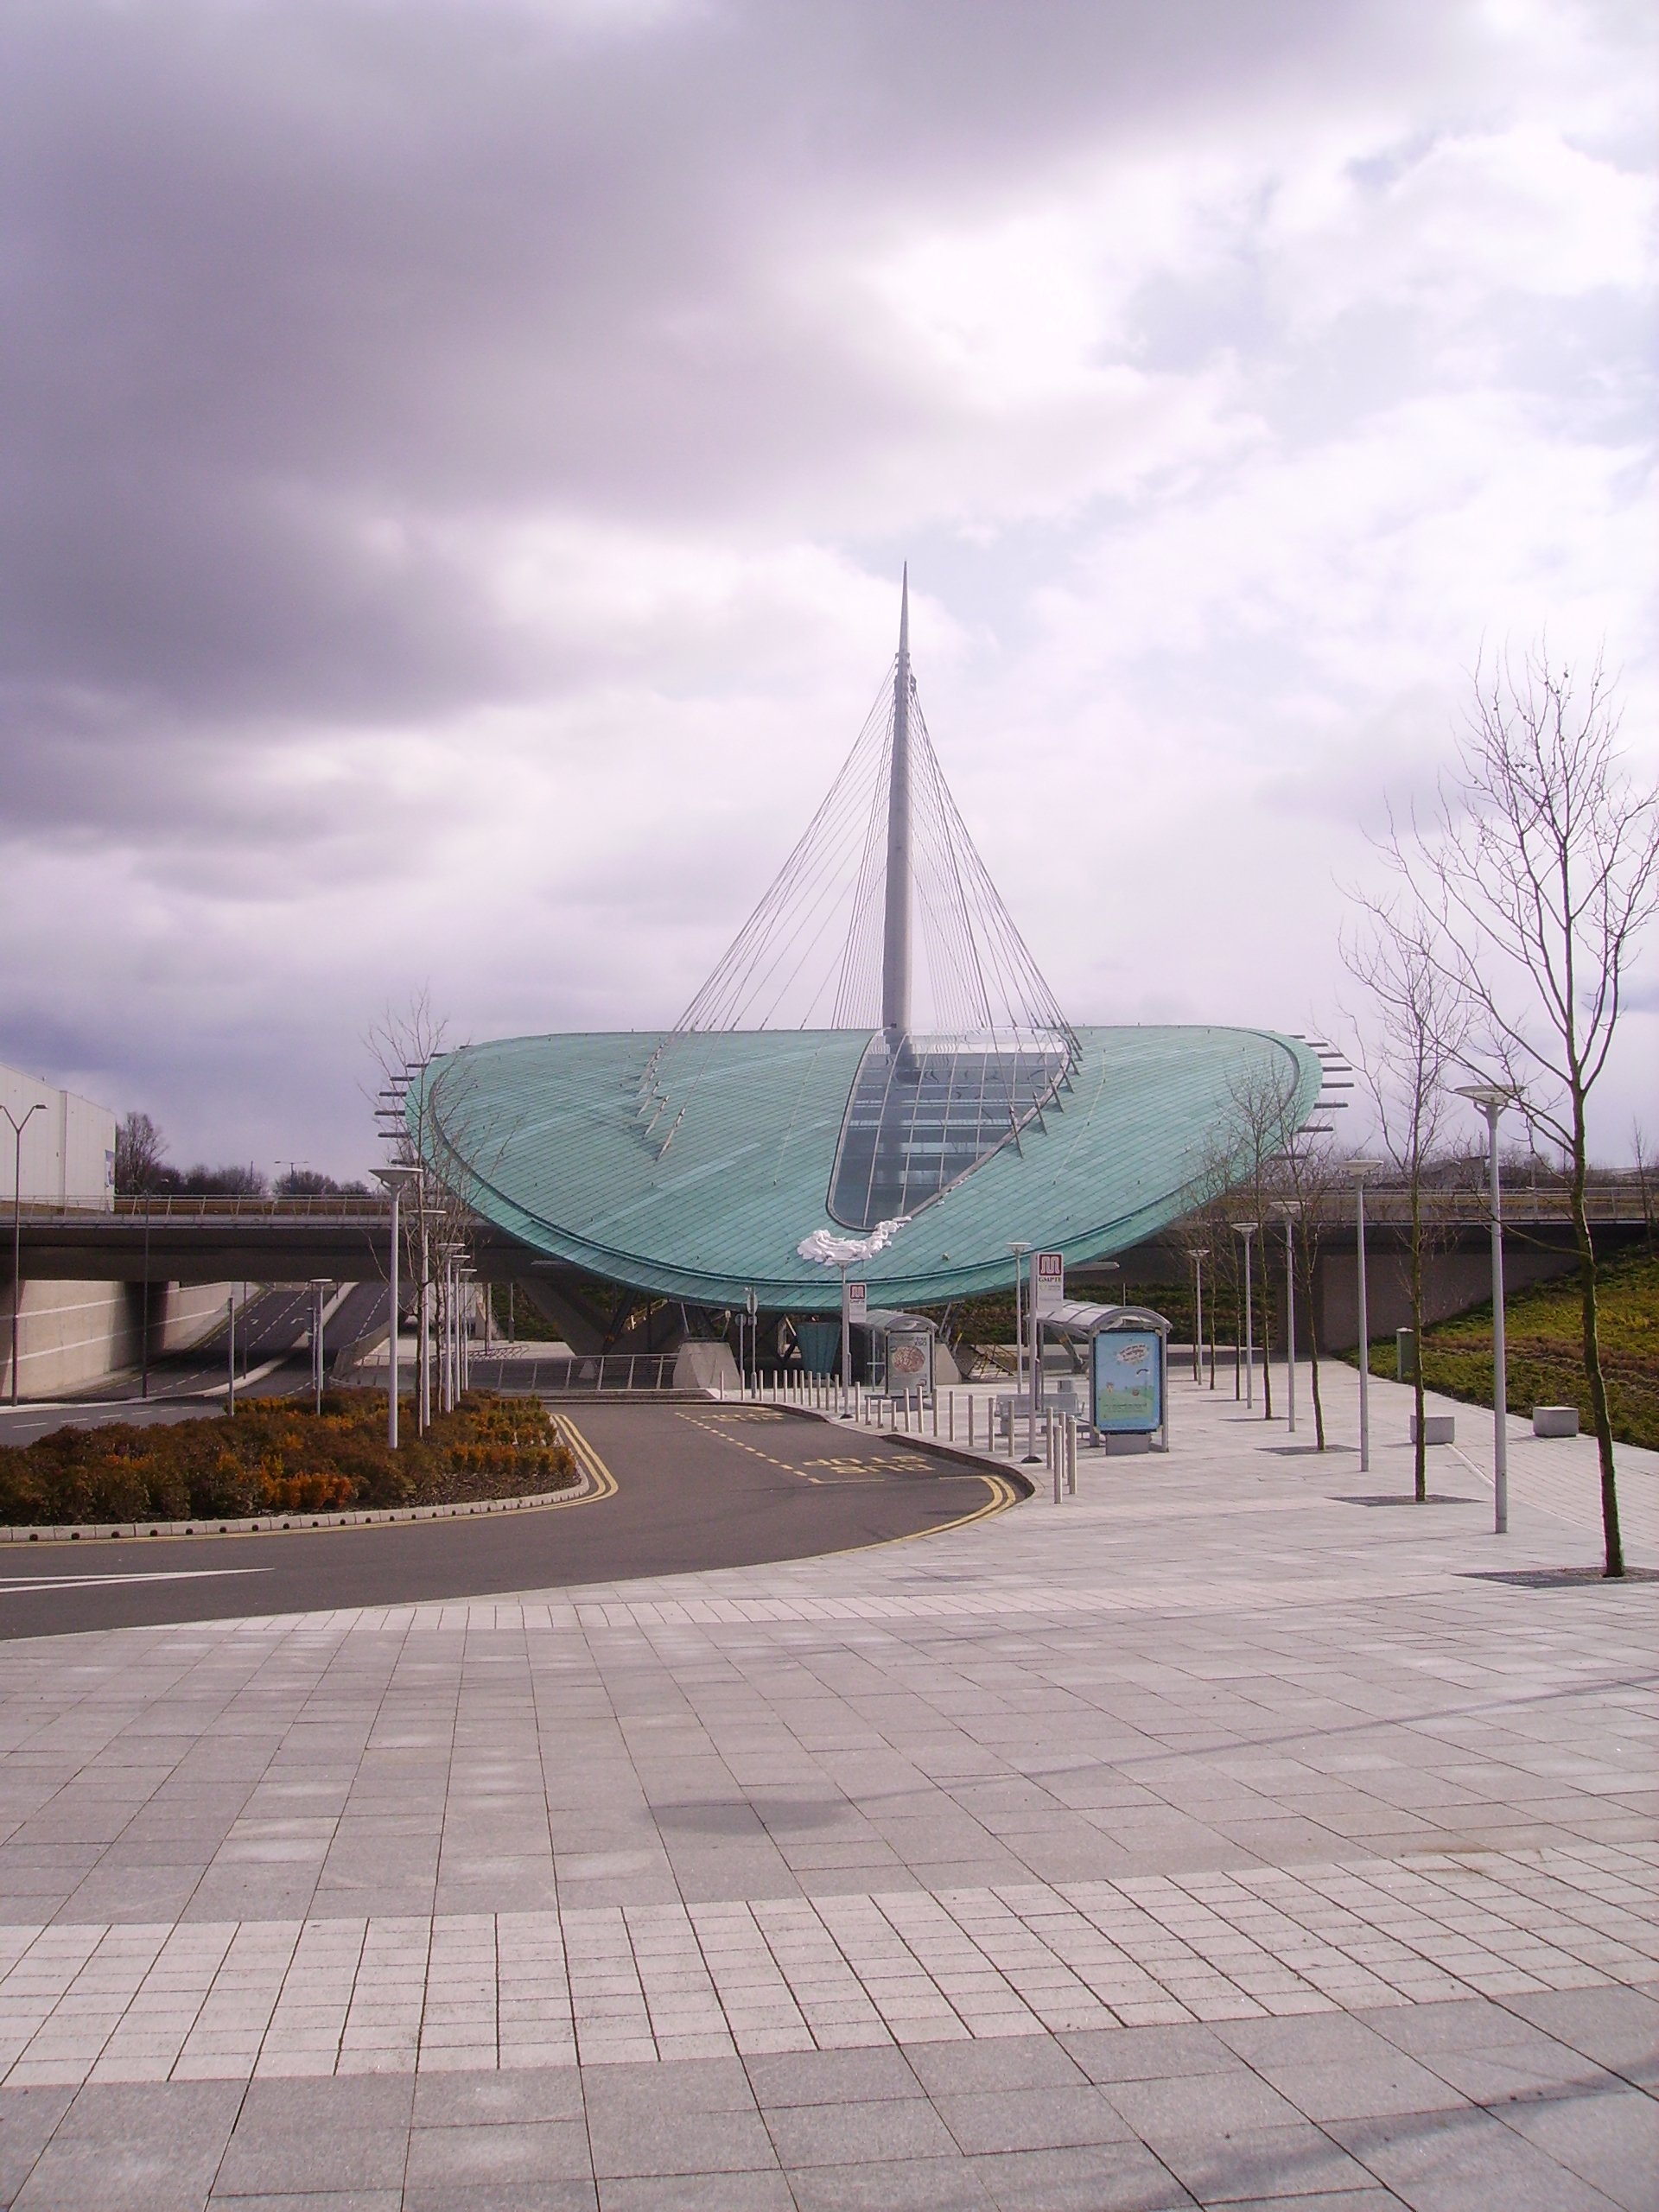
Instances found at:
x=910 y=1359
x=1047 y=1282
x=1128 y=1381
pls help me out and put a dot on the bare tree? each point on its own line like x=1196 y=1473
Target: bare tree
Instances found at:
x=1246 y=1160
x=1406 y=1057
x=1309 y=1176
x=1538 y=872
x=140 y=1148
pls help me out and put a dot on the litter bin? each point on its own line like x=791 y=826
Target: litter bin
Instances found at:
x=1405 y=1355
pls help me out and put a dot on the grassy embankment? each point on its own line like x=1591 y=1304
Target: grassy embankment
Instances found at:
x=276 y=1456
x=1545 y=1359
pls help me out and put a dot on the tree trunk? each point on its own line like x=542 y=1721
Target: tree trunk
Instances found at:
x=1265 y=1316
x=1310 y=1255
x=1419 y=1449
x=1613 y=1564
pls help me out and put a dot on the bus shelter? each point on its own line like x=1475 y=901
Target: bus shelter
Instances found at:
x=1124 y=1352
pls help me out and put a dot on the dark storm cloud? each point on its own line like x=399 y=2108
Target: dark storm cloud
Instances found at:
x=295 y=294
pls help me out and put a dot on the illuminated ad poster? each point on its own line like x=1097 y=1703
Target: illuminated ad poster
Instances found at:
x=1128 y=1381
x=910 y=1362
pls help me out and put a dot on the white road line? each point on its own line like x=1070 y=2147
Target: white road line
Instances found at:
x=11 y=1586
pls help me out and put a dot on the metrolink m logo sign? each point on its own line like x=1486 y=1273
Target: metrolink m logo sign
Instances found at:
x=1047 y=1282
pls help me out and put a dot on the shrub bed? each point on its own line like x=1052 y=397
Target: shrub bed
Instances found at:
x=277 y=1456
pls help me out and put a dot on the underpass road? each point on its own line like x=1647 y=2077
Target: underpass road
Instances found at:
x=698 y=1486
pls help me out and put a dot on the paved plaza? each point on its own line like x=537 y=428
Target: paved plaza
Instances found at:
x=1233 y=1834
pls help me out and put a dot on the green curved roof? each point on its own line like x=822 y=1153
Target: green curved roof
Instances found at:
x=693 y=1165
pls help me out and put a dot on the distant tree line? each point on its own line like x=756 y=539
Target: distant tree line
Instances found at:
x=142 y=1166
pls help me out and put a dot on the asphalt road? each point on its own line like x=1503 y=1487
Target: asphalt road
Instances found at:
x=697 y=1486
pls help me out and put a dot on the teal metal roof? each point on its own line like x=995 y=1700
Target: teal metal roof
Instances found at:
x=692 y=1164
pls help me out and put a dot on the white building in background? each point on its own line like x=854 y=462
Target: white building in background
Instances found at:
x=66 y=1156
x=73 y=1333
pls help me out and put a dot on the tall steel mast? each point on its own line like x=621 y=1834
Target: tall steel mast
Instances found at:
x=895 y=942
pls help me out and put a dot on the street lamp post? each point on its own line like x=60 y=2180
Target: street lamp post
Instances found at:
x=17 y=1128
x=1359 y=1169
x=395 y=1179
x=846 y=1346
x=1247 y=1230
x=143 y=1309
x=1198 y=1253
x=1492 y=1098
x=1290 y=1318
x=319 y=1294
x=1022 y=1380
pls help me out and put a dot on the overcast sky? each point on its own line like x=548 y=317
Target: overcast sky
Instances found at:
x=458 y=459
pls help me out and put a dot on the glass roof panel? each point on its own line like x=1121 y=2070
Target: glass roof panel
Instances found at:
x=924 y=1112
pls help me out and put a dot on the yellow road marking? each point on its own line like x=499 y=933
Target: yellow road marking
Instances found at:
x=1003 y=1494
x=598 y=1475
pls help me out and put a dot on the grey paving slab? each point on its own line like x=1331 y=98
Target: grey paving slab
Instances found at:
x=1608 y=2137
x=1208 y=1802
x=1466 y=2162
x=324 y=2200
x=920 y=2184
x=1201 y=2108
x=502 y=2152
x=480 y=2099
x=1122 y=2175
x=858 y=2133
x=1287 y=2163
x=1619 y=2028
x=1032 y=2118
x=637 y=2143
x=755 y=2192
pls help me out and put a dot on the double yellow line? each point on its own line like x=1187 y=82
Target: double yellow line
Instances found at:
x=600 y=1481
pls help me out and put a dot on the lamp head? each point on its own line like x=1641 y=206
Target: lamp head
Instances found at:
x=1491 y=1097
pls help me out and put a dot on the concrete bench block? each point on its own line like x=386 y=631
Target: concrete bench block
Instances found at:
x=1438 y=1428
x=1554 y=1421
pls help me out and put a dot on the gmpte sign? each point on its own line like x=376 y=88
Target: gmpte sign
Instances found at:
x=1047 y=1282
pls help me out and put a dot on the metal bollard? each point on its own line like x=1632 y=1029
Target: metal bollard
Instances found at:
x=951 y=1417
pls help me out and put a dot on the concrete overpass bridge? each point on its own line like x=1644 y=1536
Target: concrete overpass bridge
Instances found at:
x=345 y=1238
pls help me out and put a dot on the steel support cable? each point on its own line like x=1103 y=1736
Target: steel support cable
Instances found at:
x=988 y=924
x=824 y=881
x=746 y=958
x=948 y=956
x=858 y=1004
x=870 y=874
x=1031 y=991
x=956 y=955
x=746 y=972
x=832 y=805
x=940 y=796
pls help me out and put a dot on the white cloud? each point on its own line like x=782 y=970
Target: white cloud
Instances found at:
x=466 y=546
